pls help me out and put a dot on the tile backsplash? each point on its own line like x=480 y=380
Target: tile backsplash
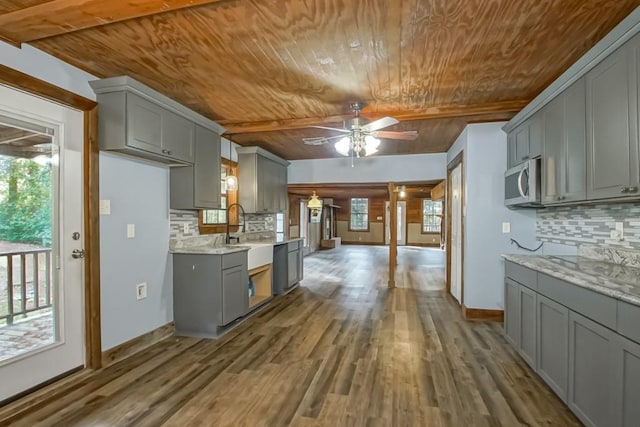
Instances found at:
x=255 y=223
x=576 y=225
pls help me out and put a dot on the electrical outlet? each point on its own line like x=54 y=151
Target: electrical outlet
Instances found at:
x=105 y=207
x=131 y=231
x=506 y=227
x=185 y=228
x=141 y=291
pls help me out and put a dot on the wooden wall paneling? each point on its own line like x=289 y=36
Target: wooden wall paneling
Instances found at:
x=24 y=82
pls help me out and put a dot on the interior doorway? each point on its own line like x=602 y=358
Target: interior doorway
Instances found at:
x=401 y=223
x=455 y=246
x=42 y=284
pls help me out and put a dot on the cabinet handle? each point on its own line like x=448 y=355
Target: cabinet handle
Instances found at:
x=560 y=198
x=624 y=190
x=525 y=158
x=632 y=189
x=168 y=151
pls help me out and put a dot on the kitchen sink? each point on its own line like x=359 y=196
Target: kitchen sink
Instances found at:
x=259 y=253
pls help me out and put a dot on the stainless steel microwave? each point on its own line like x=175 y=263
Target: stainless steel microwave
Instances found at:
x=522 y=185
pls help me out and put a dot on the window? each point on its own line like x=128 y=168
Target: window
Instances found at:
x=214 y=220
x=359 y=220
x=431 y=216
x=279 y=223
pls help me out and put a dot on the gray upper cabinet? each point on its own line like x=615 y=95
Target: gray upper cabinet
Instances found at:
x=198 y=186
x=564 y=152
x=525 y=141
x=262 y=180
x=612 y=117
x=138 y=121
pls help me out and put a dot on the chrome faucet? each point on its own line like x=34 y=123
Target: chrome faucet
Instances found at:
x=244 y=223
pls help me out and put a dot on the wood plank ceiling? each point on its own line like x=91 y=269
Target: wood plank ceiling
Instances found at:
x=268 y=69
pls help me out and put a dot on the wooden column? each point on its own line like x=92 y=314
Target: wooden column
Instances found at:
x=393 y=240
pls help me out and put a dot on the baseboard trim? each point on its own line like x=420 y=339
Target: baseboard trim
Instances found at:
x=483 y=315
x=363 y=243
x=124 y=350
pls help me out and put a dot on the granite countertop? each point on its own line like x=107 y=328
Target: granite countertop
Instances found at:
x=215 y=250
x=615 y=280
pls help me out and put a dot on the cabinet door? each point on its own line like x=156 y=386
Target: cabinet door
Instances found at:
x=235 y=293
x=591 y=371
x=144 y=124
x=292 y=265
x=512 y=312
x=609 y=136
x=554 y=156
x=264 y=186
x=177 y=137
x=522 y=151
x=574 y=173
x=300 y=263
x=282 y=188
x=528 y=326
x=536 y=136
x=553 y=345
x=207 y=169
x=627 y=383
x=511 y=150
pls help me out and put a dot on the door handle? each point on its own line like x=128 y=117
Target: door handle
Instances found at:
x=77 y=253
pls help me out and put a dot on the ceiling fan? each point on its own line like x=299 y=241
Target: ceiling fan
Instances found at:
x=362 y=139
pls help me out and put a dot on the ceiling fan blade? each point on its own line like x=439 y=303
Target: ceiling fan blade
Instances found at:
x=379 y=124
x=407 y=136
x=320 y=140
x=334 y=129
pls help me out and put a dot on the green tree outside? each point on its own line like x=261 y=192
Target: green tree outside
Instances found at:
x=25 y=201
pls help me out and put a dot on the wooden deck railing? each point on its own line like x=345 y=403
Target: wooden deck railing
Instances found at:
x=25 y=283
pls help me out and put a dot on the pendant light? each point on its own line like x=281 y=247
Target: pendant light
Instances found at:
x=231 y=181
x=314 y=202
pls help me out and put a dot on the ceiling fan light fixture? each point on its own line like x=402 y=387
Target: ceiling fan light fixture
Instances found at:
x=344 y=146
x=371 y=145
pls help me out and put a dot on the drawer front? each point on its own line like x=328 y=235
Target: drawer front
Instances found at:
x=593 y=305
x=629 y=321
x=522 y=275
x=293 y=246
x=234 y=259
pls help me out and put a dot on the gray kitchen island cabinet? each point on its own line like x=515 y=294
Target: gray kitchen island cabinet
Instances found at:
x=209 y=291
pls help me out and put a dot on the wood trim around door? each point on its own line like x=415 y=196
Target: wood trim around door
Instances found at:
x=457 y=161
x=34 y=86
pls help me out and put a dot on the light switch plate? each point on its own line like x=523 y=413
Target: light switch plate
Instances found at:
x=506 y=227
x=141 y=291
x=131 y=231
x=105 y=207
x=185 y=228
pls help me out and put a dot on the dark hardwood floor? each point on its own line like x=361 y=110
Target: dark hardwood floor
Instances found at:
x=341 y=350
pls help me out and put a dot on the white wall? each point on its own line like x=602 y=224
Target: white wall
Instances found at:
x=416 y=167
x=485 y=158
x=126 y=183
x=138 y=192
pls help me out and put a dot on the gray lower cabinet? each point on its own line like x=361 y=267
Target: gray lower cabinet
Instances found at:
x=553 y=345
x=198 y=186
x=591 y=371
x=295 y=263
x=626 y=397
x=612 y=119
x=512 y=312
x=527 y=331
x=235 y=296
x=209 y=291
